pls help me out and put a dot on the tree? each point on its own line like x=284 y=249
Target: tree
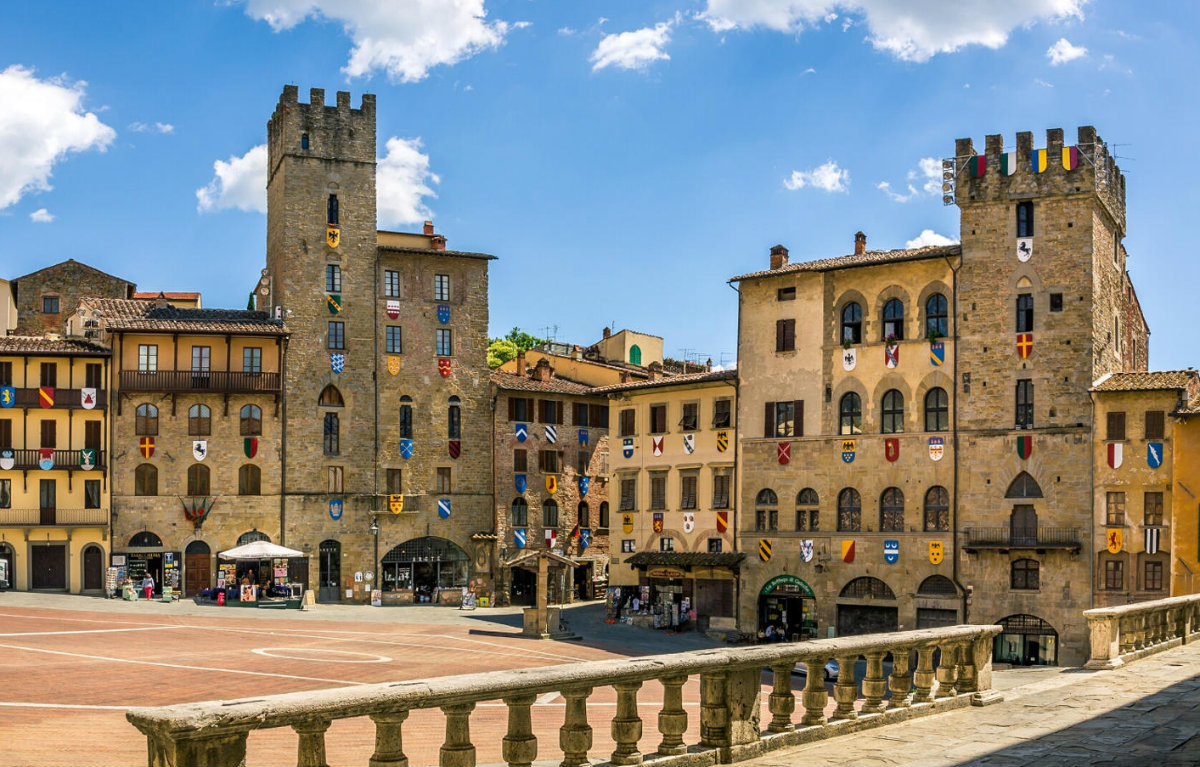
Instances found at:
x=501 y=350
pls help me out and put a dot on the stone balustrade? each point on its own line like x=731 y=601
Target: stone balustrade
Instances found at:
x=952 y=668
x=1128 y=632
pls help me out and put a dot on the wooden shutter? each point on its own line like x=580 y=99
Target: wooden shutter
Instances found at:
x=779 y=334
x=559 y=407
x=798 y=415
x=542 y=410
x=769 y=420
x=512 y=408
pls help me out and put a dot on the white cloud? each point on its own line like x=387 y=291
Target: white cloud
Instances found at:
x=907 y=30
x=404 y=39
x=633 y=50
x=828 y=178
x=1062 y=52
x=41 y=216
x=1043 y=83
x=522 y=24
x=928 y=237
x=402 y=179
x=240 y=183
x=566 y=31
x=928 y=174
x=886 y=188
x=42 y=121
x=140 y=127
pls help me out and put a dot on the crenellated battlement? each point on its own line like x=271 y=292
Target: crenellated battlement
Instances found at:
x=1026 y=173
x=321 y=131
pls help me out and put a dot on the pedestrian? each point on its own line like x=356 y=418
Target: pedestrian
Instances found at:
x=148 y=586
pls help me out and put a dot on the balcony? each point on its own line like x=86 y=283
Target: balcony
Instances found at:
x=54 y=517
x=1033 y=538
x=63 y=459
x=220 y=382
x=63 y=398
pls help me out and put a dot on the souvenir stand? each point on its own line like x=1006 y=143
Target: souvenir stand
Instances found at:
x=258 y=561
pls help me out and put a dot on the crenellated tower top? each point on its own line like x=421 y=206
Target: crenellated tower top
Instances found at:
x=319 y=131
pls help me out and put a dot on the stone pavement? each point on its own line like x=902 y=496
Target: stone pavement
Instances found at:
x=1144 y=714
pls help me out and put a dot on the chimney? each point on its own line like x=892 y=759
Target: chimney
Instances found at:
x=438 y=241
x=860 y=243
x=655 y=370
x=625 y=377
x=521 y=363
x=607 y=332
x=543 y=371
x=779 y=257
x=428 y=228
x=160 y=301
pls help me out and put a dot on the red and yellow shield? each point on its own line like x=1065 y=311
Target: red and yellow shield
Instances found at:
x=396 y=503
x=1115 y=540
x=393 y=364
x=46 y=396
x=146 y=446
x=722 y=521
x=552 y=483
x=1024 y=345
x=444 y=367
x=658 y=522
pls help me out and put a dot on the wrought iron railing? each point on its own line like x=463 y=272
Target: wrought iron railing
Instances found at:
x=60 y=398
x=1032 y=537
x=1123 y=634
x=193 y=381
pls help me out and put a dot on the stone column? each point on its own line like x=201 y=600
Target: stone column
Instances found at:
x=1105 y=641
x=923 y=678
x=968 y=680
x=457 y=750
x=626 y=725
x=575 y=736
x=714 y=716
x=311 y=750
x=874 y=685
x=981 y=660
x=947 y=672
x=845 y=691
x=520 y=745
x=815 y=696
x=223 y=748
x=673 y=719
x=389 y=741
x=900 y=682
x=743 y=697
x=782 y=702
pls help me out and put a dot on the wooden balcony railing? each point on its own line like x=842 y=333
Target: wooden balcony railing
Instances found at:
x=63 y=398
x=1126 y=633
x=191 y=381
x=1068 y=538
x=63 y=459
x=730 y=707
x=54 y=517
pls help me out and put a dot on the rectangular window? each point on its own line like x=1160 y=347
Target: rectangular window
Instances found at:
x=627 y=423
x=691 y=416
x=603 y=520
x=658 y=419
x=550 y=411
x=580 y=414
x=49 y=304
x=49 y=374
x=394 y=477
x=1152 y=577
x=6 y=374
x=201 y=359
x=687 y=489
x=714 y=545
x=1114 y=575
x=786 y=294
x=331 y=209
x=337 y=334
x=583 y=461
x=445 y=345
x=1025 y=575
x=785 y=419
x=49 y=434
x=1024 y=419
x=520 y=409
x=441 y=287
x=1153 y=508
x=252 y=359
x=598 y=416
x=1025 y=313
x=147 y=357
x=1155 y=424
x=1116 y=426
x=722 y=414
x=5 y=493
x=1056 y=303
x=391 y=284
x=335 y=478
x=520 y=513
x=627 y=547
x=548 y=461
x=785 y=335
x=333 y=278
x=520 y=460
x=443 y=479
x=1114 y=508
x=91 y=435
x=406 y=430
x=658 y=491
x=1024 y=219
x=6 y=432
x=93 y=376
x=720 y=489
x=628 y=494
x=198 y=480
x=393 y=340
x=550 y=515
x=666 y=543
x=760 y=520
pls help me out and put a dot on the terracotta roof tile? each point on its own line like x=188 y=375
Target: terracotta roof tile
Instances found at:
x=556 y=385
x=120 y=314
x=76 y=263
x=1145 y=381
x=432 y=252
x=869 y=258
x=42 y=345
x=168 y=294
x=679 y=380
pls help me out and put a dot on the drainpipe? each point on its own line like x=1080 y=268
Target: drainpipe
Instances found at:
x=954 y=441
x=733 y=490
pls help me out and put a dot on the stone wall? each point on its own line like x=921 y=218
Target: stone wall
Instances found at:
x=68 y=281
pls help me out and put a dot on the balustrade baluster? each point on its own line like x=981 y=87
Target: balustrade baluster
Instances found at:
x=457 y=750
x=874 y=685
x=519 y=746
x=900 y=682
x=575 y=736
x=845 y=691
x=311 y=750
x=714 y=716
x=947 y=672
x=782 y=702
x=673 y=719
x=1125 y=626
x=815 y=696
x=626 y=725
x=968 y=674
x=389 y=741
x=923 y=676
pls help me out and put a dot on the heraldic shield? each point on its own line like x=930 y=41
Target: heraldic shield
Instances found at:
x=520 y=482
x=627 y=523
x=444 y=508
x=551 y=483
x=658 y=522
x=8 y=396
x=333 y=235
x=393 y=364
x=806 y=550
x=519 y=537
x=335 y=509
x=935 y=552
x=395 y=503
x=584 y=482
x=443 y=313
x=444 y=367
x=406 y=449
x=627 y=447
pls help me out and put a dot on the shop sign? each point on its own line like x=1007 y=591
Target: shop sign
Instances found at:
x=787 y=584
x=664 y=572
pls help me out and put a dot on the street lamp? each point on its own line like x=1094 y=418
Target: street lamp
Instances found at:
x=375 y=535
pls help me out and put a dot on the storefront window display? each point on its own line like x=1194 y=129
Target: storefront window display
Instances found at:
x=787 y=610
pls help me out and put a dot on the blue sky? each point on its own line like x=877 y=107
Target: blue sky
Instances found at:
x=623 y=159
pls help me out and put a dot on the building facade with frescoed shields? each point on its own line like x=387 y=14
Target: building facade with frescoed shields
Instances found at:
x=846 y=462
x=673 y=497
x=386 y=382
x=197 y=406
x=54 y=464
x=1139 y=496
x=551 y=480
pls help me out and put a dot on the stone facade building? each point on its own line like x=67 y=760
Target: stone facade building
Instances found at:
x=46 y=298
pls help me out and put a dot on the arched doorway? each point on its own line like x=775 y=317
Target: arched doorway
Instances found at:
x=329 y=571
x=425 y=566
x=1026 y=640
x=8 y=563
x=937 y=603
x=197 y=568
x=1023 y=522
x=145 y=556
x=859 y=610
x=252 y=536
x=788 y=607
x=93 y=568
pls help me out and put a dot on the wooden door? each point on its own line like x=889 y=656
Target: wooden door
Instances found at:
x=49 y=564
x=197 y=573
x=93 y=569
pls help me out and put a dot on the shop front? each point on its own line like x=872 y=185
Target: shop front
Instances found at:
x=145 y=555
x=424 y=571
x=787 y=610
x=679 y=591
x=1026 y=640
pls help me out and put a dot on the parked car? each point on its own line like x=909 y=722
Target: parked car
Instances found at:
x=831 y=670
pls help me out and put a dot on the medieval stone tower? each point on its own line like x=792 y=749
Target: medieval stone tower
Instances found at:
x=1044 y=307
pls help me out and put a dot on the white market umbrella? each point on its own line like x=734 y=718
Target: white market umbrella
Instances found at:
x=260 y=550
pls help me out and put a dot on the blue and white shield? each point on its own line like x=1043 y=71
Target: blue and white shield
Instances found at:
x=443 y=313
x=583 y=437
x=551 y=434
x=519 y=537
x=522 y=432
x=583 y=486
x=8 y=396
x=337 y=361
x=7 y=459
x=406 y=448
x=891 y=551
x=806 y=550
x=848 y=456
x=444 y=508
x=1154 y=454
x=627 y=447
x=520 y=481
x=585 y=538
x=335 y=508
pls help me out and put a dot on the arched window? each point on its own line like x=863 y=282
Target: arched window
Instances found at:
x=199 y=421
x=197 y=483
x=893 y=412
x=808 y=516
x=454 y=419
x=520 y=512
x=603 y=522
x=333 y=278
x=891 y=511
x=937 y=586
x=252 y=536
x=332 y=430
x=850 y=414
x=936 y=316
x=937 y=410
x=766 y=510
x=330 y=397
x=849 y=510
x=1024 y=486
x=145 y=539
x=249 y=480
x=893 y=319
x=145 y=479
x=584 y=515
x=406 y=429
x=251 y=418
x=146 y=420
x=852 y=323
x=1026 y=575
x=867 y=588
x=937 y=509
x=1025 y=219
x=635 y=355
x=550 y=513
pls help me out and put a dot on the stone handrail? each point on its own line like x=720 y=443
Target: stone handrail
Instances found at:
x=215 y=733
x=1128 y=632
